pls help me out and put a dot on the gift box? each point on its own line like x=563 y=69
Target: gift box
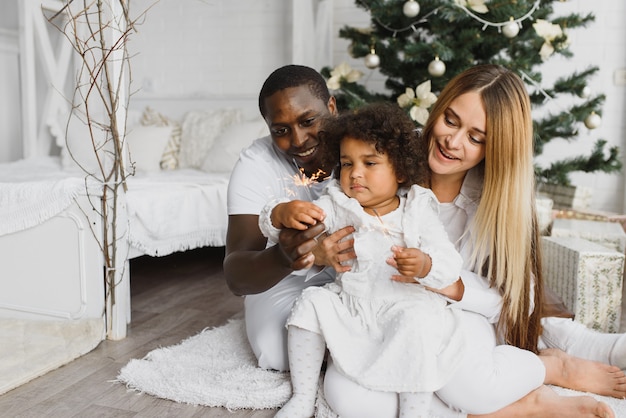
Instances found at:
x=588 y=277
x=609 y=234
x=590 y=215
x=577 y=197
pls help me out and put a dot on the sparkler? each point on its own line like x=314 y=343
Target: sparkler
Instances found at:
x=300 y=179
x=386 y=232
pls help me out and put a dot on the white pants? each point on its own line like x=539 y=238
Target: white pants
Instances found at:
x=266 y=315
x=490 y=378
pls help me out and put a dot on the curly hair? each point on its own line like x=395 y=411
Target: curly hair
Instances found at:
x=386 y=126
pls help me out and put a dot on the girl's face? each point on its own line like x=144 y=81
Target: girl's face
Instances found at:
x=458 y=141
x=367 y=176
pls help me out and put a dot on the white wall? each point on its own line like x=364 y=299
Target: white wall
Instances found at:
x=222 y=49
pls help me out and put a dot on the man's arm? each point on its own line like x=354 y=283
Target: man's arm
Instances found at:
x=250 y=268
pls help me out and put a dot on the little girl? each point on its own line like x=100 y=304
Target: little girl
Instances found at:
x=383 y=334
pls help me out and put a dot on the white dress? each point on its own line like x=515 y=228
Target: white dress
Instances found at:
x=382 y=334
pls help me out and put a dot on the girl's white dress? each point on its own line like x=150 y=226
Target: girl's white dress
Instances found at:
x=382 y=334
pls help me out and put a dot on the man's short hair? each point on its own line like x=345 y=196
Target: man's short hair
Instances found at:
x=293 y=76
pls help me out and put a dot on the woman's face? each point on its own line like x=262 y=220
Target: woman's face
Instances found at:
x=458 y=141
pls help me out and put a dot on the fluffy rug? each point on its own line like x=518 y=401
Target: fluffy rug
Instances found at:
x=214 y=368
x=31 y=348
x=217 y=368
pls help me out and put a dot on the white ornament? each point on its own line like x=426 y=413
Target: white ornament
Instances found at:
x=511 y=29
x=411 y=8
x=372 y=60
x=436 y=68
x=585 y=92
x=593 y=121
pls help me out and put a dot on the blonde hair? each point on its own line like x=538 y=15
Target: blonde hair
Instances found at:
x=504 y=231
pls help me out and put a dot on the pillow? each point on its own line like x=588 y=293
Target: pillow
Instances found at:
x=225 y=150
x=78 y=152
x=199 y=131
x=145 y=146
x=169 y=159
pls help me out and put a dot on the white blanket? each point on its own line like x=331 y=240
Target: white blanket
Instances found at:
x=217 y=368
x=176 y=211
x=168 y=211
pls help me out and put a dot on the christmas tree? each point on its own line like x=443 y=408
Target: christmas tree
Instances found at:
x=419 y=47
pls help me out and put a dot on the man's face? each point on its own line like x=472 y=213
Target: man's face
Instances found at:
x=293 y=116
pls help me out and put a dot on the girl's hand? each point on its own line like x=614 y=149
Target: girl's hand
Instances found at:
x=411 y=263
x=296 y=214
x=334 y=249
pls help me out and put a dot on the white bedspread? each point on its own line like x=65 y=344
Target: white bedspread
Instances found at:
x=33 y=191
x=175 y=212
x=168 y=211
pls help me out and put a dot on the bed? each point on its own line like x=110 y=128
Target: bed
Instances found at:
x=176 y=200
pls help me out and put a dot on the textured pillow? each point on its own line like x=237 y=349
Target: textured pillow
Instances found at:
x=146 y=145
x=225 y=150
x=169 y=159
x=199 y=131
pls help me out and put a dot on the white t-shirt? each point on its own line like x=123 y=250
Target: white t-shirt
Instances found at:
x=264 y=173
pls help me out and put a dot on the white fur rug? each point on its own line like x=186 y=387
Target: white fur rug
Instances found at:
x=217 y=368
x=31 y=348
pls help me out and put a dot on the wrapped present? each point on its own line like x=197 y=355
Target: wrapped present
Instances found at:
x=588 y=277
x=544 y=214
x=590 y=215
x=609 y=234
x=577 y=197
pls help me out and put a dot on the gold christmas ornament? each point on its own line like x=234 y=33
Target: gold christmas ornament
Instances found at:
x=593 y=121
x=436 y=68
x=411 y=8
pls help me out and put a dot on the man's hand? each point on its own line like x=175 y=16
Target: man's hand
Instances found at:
x=297 y=246
x=334 y=249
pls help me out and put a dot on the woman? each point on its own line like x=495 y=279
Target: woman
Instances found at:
x=479 y=139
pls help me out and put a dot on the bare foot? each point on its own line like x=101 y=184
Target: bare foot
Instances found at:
x=583 y=375
x=545 y=403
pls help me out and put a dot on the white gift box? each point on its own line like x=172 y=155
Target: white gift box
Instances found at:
x=609 y=234
x=588 y=276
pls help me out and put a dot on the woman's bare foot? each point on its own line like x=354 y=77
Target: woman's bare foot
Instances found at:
x=583 y=375
x=545 y=403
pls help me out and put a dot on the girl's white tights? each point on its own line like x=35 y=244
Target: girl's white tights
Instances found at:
x=414 y=404
x=306 y=353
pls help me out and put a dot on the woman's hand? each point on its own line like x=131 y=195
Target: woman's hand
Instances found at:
x=411 y=263
x=454 y=291
x=334 y=249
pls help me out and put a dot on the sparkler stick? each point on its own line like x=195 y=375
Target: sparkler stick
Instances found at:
x=386 y=232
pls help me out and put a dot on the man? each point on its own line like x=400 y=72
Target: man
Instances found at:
x=293 y=101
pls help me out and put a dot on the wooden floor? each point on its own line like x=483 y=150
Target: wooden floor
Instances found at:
x=173 y=298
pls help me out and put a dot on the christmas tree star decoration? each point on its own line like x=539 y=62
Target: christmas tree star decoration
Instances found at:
x=549 y=32
x=476 y=5
x=342 y=72
x=419 y=101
